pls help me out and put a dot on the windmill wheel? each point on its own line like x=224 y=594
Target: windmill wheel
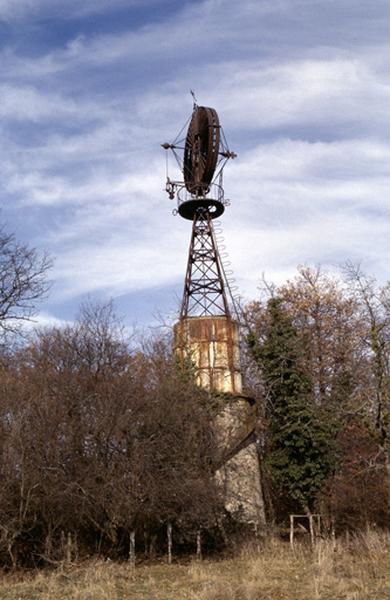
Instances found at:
x=201 y=150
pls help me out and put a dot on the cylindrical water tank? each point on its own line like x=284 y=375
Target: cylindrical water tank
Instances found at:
x=212 y=343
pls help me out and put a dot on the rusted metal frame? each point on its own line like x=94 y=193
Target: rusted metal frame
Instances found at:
x=184 y=305
x=202 y=276
x=218 y=264
x=206 y=301
x=206 y=284
x=200 y=284
x=207 y=304
x=204 y=289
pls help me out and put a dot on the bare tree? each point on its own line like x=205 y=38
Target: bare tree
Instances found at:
x=328 y=322
x=22 y=281
x=374 y=310
x=98 y=443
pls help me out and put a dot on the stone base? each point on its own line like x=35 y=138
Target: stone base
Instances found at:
x=241 y=483
x=211 y=343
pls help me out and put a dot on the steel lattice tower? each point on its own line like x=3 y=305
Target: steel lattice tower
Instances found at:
x=205 y=286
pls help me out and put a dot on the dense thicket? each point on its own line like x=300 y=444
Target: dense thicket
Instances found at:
x=98 y=442
x=300 y=439
x=321 y=345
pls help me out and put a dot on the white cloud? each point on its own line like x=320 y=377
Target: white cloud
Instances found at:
x=82 y=127
x=288 y=207
x=119 y=266
x=27 y=103
x=204 y=33
x=340 y=94
x=300 y=202
x=45 y=319
x=13 y=10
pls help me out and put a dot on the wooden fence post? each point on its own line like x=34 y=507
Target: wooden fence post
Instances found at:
x=132 y=549
x=198 y=545
x=292 y=531
x=311 y=529
x=169 y=534
x=69 y=548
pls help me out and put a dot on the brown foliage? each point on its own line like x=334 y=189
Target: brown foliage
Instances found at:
x=22 y=281
x=343 y=326
x=98 y=441
x=328 y=323
x=358 y=494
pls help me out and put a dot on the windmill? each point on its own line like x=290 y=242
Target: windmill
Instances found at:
x=200 y=199
x=207 y=332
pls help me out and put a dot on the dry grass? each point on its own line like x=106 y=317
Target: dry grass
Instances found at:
x=357 y=571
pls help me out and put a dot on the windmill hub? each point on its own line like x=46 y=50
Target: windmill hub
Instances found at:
x=205 y=153
x=201 y=150
x=200 y=199
x=190 y=207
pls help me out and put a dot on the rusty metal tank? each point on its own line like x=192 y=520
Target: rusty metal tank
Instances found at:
x=212 y=343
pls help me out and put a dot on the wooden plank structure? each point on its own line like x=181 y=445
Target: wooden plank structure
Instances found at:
x=314 y=526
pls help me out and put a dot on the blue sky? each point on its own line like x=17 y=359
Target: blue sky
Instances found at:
x=90 y=89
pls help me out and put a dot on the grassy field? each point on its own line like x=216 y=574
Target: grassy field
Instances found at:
x=357 y=571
